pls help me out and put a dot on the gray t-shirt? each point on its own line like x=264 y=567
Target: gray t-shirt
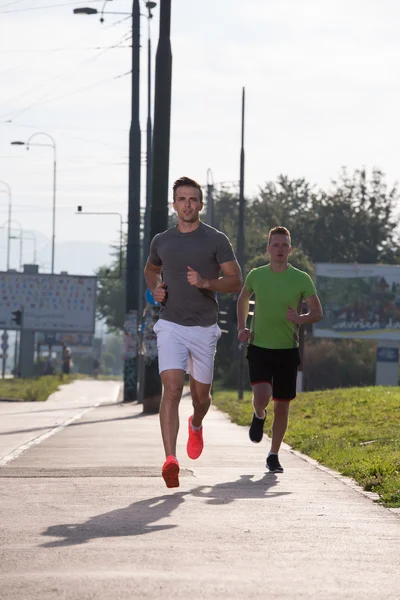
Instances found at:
x=204 y=250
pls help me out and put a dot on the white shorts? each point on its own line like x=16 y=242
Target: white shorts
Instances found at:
x=191 y=349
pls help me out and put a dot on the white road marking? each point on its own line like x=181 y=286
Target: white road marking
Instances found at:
x=24 y=447
x=18 y=451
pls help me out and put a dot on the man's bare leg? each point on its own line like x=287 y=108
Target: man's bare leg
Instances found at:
x=201 y=400
x=261 y=396
x=279 y=426
x=172 y=381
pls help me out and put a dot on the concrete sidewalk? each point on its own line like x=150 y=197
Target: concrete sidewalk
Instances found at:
x=85 y=514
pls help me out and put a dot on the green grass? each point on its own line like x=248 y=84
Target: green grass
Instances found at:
x=32 y=389
x=355 y=431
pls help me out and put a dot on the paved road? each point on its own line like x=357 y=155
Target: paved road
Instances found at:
x=85 y=514
x=23 y=424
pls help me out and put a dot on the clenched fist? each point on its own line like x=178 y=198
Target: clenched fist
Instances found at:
x=293 y=316
x=195 y=279
x=160 y=293
x=243 y=334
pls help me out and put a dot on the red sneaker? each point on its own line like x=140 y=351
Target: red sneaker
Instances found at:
x=195 y=442
x=170 y=472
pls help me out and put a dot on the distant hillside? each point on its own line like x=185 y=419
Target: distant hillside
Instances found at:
x=78 y=258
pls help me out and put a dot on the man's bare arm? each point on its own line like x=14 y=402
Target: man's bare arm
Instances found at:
x=152 y=275
x=242 y=308
x=314 y=314
x=231 y=280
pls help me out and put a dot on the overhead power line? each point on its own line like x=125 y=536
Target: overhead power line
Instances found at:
x=68 y=74
x=47 y=6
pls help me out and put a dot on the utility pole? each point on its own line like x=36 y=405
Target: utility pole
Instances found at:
x=4 y=337
x=132 y=282
x=162 y=123
x=210 y=198
x=240 y=246
x=160 y=171
x=145 y=322
x=149 y=135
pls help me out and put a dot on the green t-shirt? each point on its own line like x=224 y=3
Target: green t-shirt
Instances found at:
x=274 y=293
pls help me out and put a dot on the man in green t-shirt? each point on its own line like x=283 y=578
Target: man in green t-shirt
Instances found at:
x=273 y=350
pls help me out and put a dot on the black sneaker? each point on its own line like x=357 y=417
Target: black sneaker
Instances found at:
x=256 y=430
x=273 y=464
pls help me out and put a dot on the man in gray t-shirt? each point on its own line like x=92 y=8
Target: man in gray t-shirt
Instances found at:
x=183 y=273
x=204 y=250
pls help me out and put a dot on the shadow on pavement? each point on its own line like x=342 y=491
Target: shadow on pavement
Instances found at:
x=136 y=519
x=77 y=423
x=245 y=487
x=133 y=520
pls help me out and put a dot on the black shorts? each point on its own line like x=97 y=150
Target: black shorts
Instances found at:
x=276 y=367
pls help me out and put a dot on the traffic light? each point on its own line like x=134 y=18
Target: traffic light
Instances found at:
x=17 y=316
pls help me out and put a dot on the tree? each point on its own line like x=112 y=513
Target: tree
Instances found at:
x=111 y=292
x=353 y=222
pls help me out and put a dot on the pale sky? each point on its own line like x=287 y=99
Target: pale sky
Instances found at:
x=322 y=91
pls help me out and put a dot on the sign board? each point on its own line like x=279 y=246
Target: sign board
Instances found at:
x=359 y=301
x=65 y=339
x=390 y=355
x=57 y=303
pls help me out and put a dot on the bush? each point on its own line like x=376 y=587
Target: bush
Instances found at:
x=327 y=363
x=330 y=363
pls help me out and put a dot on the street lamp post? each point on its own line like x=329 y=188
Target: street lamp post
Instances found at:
x=149 y=160
x=146 y=224
x=10 y=237
x=132 y=278
x=8 y=191
x=160 y=172
x=14 y=237
x=5 y=334
x=240 y=245
x=210 y=198
x=52 y=145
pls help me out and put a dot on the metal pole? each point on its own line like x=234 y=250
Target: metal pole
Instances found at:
x=132 y=282
x=210 y=198
x=162 y=123
x=160 y=170
x=240 y=245
x=53 y=241
x=146 y=231
x=9 y=233
x=4 y=360
x=16 y=359
x=9 y=221
x=149 y=160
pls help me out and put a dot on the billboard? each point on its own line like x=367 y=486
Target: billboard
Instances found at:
x=63 y=303
x=359 y=301
x=65 y=339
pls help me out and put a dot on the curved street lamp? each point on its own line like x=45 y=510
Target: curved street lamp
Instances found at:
x=14 y=237
x=52 y=145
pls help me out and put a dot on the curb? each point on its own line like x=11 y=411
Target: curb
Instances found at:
x=346 y=480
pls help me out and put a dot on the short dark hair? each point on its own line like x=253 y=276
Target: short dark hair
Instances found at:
x=279 y=230
x=187 y=181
